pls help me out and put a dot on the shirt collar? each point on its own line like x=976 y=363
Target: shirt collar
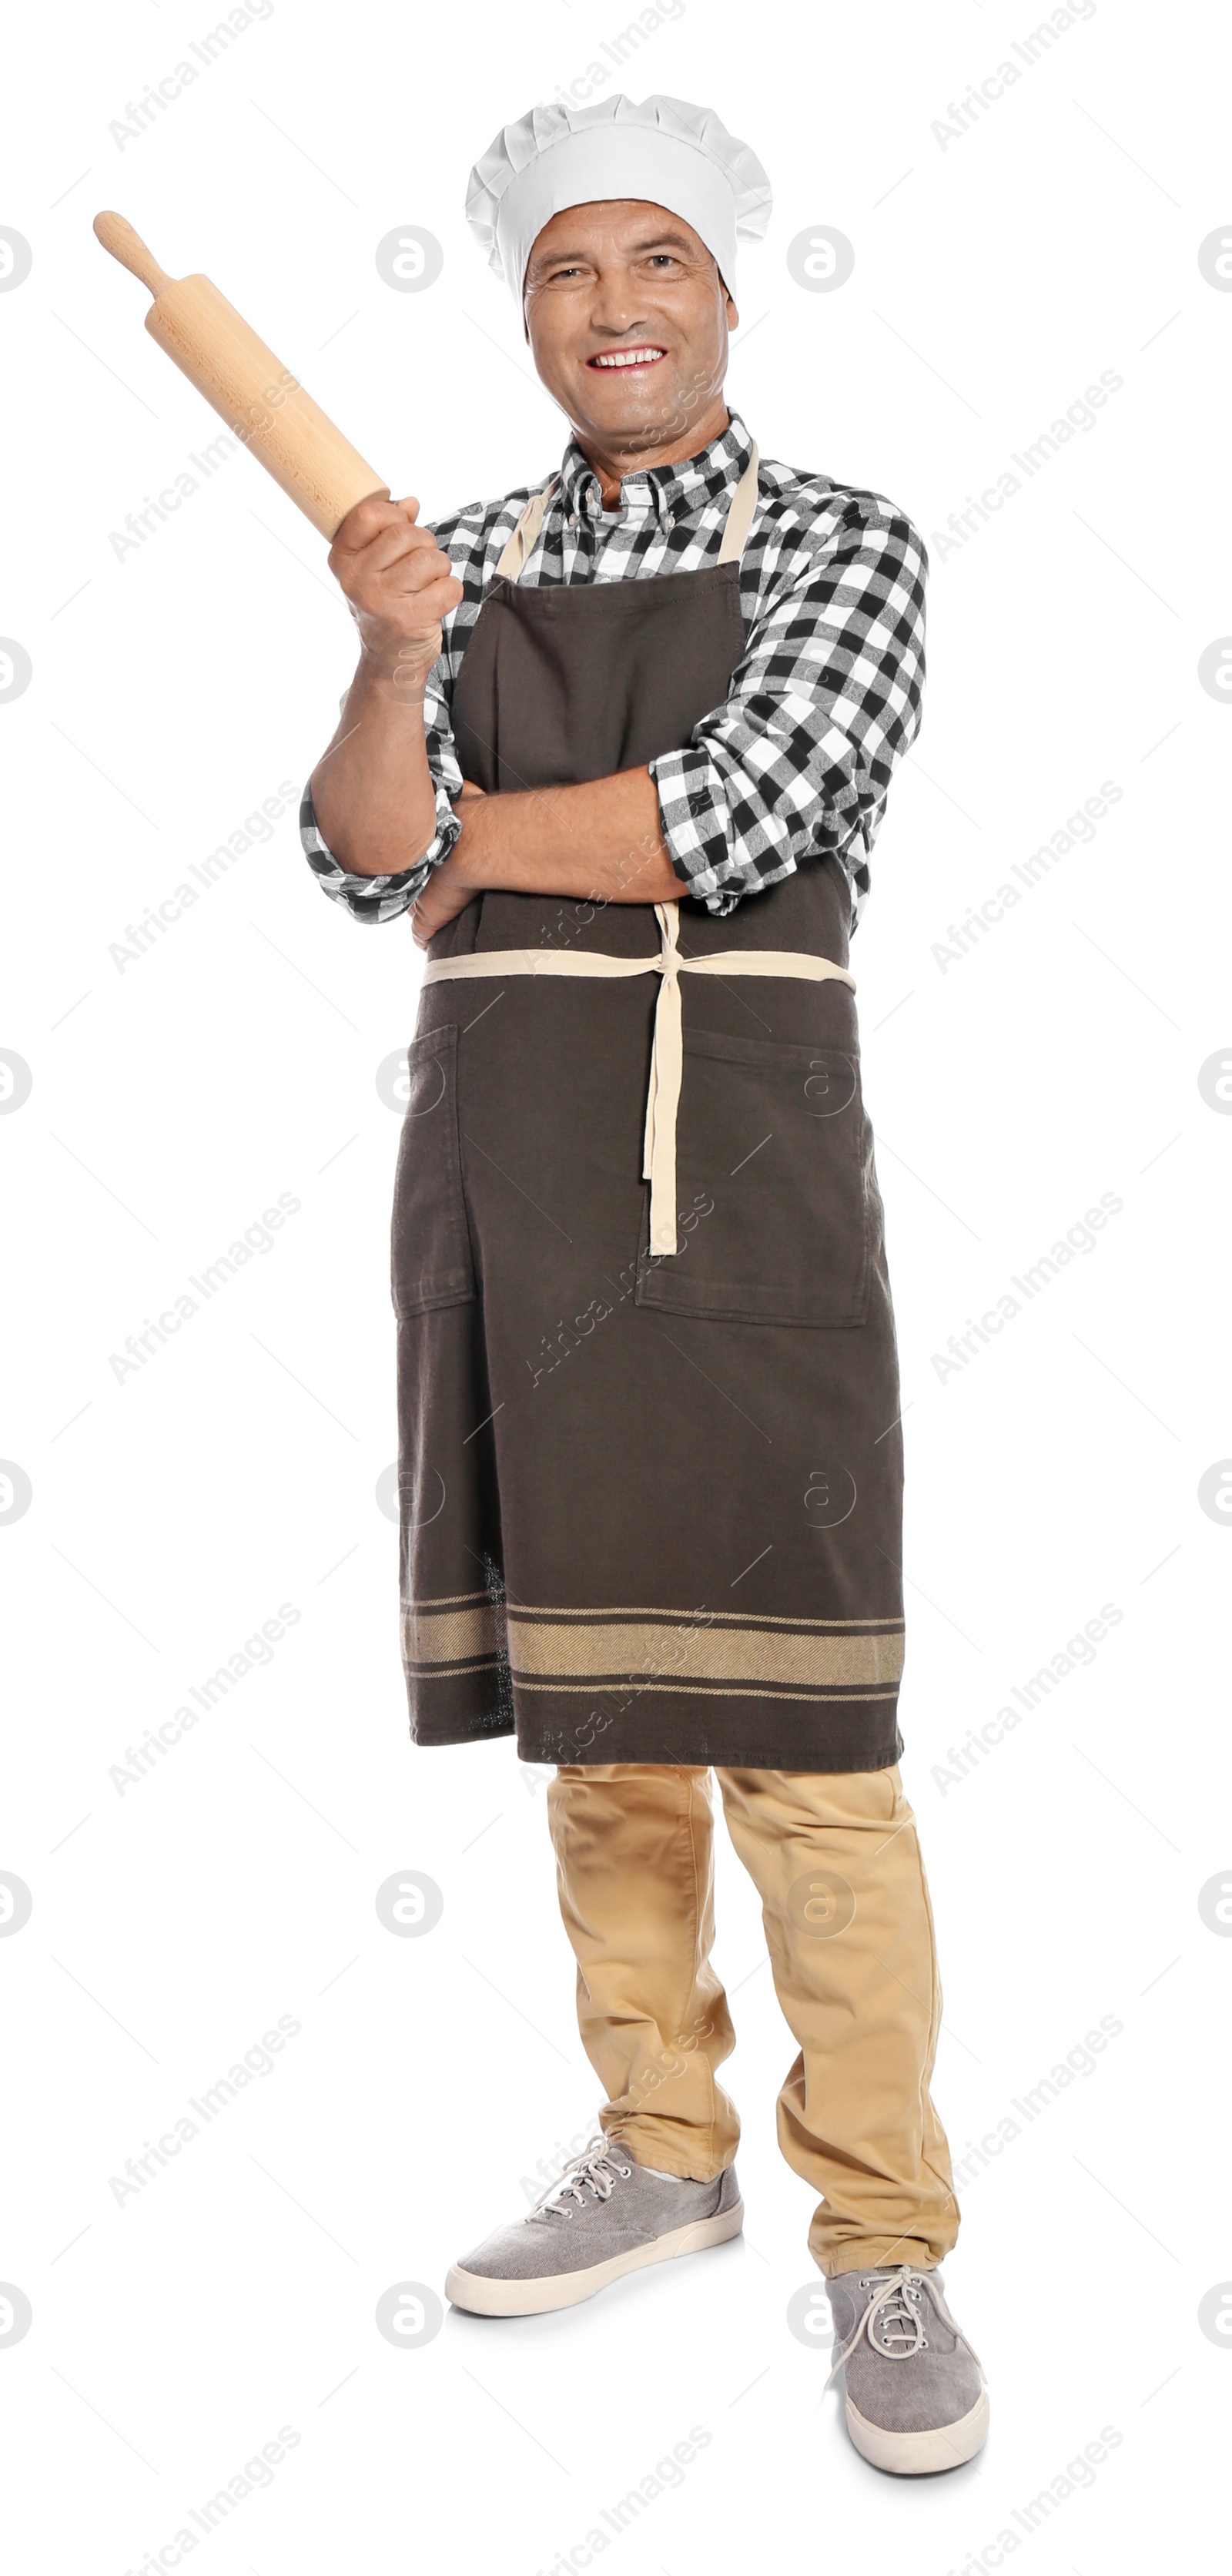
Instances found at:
x=663 y=493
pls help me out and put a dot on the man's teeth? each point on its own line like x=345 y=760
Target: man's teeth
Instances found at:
x=628 y=358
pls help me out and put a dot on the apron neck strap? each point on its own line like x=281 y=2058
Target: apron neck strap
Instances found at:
x=526 y=534
x=740 y=513
x=739 y=520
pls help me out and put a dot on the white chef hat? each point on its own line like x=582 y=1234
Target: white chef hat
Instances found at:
x=660 y=149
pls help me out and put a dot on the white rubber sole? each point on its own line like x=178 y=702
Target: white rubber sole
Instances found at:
x=917 y=2455
x=485 y=2298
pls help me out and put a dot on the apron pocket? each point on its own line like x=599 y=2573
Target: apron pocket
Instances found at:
x=431 y=1262
x=773 y=1187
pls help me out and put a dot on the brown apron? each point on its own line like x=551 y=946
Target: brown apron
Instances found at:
x=651 y=1498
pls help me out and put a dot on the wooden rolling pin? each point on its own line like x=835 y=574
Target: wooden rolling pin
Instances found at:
x=260 y=400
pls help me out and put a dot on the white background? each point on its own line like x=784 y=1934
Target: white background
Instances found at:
x=173 y=690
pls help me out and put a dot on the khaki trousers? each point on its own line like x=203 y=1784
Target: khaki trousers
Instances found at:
x=836 y=1862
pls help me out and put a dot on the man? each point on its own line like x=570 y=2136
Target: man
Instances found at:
x=621 y=747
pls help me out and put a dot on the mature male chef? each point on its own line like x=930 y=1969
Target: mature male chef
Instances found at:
x=621 y=747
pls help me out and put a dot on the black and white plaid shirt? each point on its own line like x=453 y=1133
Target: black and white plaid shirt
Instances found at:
x=826 y=698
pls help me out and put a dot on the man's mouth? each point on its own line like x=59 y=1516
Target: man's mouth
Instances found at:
x=645 y=356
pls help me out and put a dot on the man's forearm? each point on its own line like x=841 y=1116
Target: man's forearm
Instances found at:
x=600 y=840
x=372 y=789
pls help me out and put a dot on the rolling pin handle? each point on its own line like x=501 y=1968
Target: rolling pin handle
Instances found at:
x=124 y=244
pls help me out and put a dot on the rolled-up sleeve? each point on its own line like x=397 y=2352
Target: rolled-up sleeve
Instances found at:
x=826 y=699
x=382 y=898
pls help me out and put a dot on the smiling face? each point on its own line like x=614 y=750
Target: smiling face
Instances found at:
x=628 y=320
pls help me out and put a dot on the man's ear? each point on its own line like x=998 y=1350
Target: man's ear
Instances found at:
x=733 y=318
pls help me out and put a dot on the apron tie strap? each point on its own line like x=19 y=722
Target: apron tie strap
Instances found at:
x=666 y=1075
x=667 y=1046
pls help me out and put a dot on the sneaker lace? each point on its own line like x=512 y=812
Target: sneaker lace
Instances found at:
x=893 y=2320
x=595 y=2170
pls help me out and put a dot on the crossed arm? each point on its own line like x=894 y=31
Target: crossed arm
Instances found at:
x=597 y=843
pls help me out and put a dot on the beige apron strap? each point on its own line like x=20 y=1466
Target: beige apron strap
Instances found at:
x=802 y=965
x=533 y=961
x=663 y=1095
x=740 y=514
x=525 y=537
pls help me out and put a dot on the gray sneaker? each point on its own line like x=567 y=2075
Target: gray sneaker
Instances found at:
x=605 y=2217
x=917 y=2399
